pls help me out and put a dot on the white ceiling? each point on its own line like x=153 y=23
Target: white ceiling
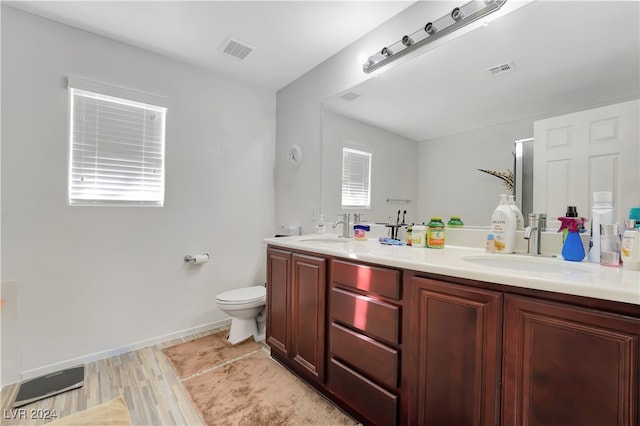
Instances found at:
x=289 y=37
x=568 y=56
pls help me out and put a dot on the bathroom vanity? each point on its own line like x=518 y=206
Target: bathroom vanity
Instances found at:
x=413 y=336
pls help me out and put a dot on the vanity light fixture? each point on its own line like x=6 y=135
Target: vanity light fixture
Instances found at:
x=458 y=18
x=429 y=28
x=456 y=14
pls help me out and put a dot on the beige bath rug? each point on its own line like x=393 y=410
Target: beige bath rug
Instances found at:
x=257 y=391
x=198 y=355
x=112 y=413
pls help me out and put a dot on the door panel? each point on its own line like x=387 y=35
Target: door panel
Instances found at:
x=308 y=313
x=568 y=366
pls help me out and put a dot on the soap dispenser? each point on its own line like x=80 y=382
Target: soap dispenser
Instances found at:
x=572 y=249
x=503 y=226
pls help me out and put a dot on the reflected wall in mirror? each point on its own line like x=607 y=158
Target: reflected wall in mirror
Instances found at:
x=453 y=116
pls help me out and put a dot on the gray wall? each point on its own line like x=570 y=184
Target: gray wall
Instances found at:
x=394 y=168
x=94 y=281
x=449 y=182
x=299 y=114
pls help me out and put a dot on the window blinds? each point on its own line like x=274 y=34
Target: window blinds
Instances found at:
x=117 y=148
x=356 y=178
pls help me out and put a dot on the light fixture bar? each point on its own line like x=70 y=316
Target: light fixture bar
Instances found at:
x=457 y=18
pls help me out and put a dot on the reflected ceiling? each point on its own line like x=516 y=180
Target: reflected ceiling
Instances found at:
x=565 y=56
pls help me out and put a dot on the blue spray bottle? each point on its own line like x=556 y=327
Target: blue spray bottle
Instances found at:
x=572 y=250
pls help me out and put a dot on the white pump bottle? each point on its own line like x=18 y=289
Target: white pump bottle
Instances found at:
x=503 y=226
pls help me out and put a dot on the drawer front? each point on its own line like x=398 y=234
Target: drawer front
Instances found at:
x=374 y=403
x=373 y=359
x=374 y=317
x=382 y=281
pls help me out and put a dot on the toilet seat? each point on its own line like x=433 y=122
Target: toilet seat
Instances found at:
x=250 y=294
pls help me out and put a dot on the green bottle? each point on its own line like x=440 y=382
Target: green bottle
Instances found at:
x=455 y=222
x=435 y=233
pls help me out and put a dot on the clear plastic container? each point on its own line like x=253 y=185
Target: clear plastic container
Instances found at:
x=601 y=214
x=419 y=236
x=609 y=245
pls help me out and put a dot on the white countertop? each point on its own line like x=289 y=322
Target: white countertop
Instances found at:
x=576 y=278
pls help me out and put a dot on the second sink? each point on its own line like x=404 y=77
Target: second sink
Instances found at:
x=528 y=264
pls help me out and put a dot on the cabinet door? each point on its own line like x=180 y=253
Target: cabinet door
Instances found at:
x=278 y=281
x=308 y=285
x=454 y=349
x=565 y=365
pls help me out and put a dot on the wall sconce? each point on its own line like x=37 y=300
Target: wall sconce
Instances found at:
x=458 y=18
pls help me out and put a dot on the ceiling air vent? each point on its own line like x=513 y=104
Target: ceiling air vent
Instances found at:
x=237 y=48
x=502 y=68
x=350 y=95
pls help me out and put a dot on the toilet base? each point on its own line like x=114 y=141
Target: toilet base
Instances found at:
x=261 y=322
x=241 y=330
x=260 y=336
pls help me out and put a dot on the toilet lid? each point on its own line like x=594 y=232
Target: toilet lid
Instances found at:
x=245 y=294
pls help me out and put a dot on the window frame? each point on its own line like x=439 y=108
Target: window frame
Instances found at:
x=113 y=95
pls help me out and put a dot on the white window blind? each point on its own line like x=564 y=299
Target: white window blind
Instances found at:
x=117 y=147
x=356 y=178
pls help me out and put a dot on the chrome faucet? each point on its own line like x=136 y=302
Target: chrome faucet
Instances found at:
x=343 y=219
x=533 y=232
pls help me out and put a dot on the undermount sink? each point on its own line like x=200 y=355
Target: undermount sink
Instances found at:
x=324 y=239
x=528 y=264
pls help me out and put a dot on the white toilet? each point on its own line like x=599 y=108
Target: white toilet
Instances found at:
x=246 y=308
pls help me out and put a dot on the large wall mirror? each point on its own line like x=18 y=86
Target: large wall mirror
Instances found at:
x=433 y=121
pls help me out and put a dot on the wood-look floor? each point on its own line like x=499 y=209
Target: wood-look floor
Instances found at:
x=144 y=378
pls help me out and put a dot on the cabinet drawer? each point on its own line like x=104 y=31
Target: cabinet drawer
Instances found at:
x=375 y=360
x=374 y=403
x=382 y=281
x=376 y=318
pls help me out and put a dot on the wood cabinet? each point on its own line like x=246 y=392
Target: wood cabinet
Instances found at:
x=278 y=288
x=365 y=317
x=565 y=365
x=296 y=294
x=308 y=295
x=453 y=354
x=393 y=346
x=482 y=357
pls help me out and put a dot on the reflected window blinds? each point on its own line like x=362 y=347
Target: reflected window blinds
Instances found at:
x=356 y=178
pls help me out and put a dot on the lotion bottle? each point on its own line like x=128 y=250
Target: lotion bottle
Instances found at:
x=630 y=250
x=503 y=226
x=516 y=210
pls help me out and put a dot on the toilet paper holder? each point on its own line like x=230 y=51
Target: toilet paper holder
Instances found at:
x=204 y=257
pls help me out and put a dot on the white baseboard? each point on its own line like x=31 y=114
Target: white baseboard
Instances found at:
x=36 y=372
